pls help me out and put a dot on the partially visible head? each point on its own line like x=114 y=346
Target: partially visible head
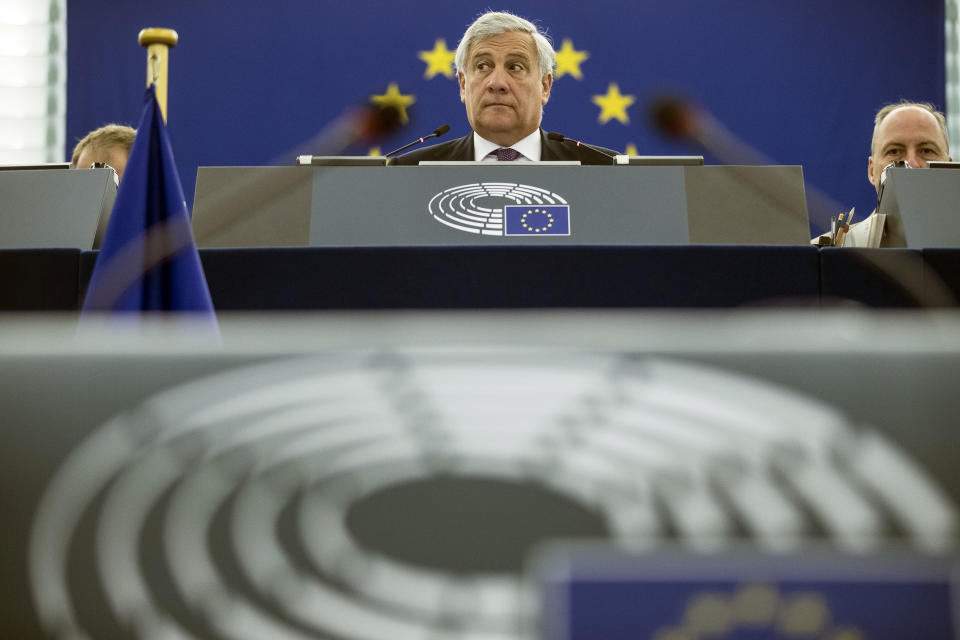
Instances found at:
x=914 y=132
x=505 y=70
x=109 y=144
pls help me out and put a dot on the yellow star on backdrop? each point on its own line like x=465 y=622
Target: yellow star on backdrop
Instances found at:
x=393 y=98
x=374 y=151
x=613 y=105
x=569 y=59
x=440 y=60
x=631 y=149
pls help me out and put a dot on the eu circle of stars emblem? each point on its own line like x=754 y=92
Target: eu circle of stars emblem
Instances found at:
x=536 y=220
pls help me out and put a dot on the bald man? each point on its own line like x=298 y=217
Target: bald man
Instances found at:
x=913 y=132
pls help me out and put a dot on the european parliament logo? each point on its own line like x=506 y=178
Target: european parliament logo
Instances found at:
x=537 y=220
x=502 y=209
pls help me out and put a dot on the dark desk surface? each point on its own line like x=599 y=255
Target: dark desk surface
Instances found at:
x=521 y=277
x=39 y=279
x=508 y=277
x=891 y=278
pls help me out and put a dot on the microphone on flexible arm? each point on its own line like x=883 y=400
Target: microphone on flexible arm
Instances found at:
x=610 y=158
x=439 y=131
x=899 y=164
x=357 y=124
x=681 y=119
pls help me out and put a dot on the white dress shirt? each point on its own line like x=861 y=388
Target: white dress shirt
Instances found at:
x=529 y=148
x=858 y=235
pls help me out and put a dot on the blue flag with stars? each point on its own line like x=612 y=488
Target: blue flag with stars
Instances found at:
x=148 y=260
x=616 y=62
x=536 y=220
x=747 y=595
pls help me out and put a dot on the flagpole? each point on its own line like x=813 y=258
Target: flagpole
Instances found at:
x=158 y=42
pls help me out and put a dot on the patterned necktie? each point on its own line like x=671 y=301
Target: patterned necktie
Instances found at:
x=507 y=154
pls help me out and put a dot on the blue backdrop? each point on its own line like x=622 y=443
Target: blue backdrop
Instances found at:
x=250 y=81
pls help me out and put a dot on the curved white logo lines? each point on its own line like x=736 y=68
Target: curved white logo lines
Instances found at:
x=479 y=208
x=266 y=497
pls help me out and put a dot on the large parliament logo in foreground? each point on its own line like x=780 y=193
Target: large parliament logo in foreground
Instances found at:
x=398 y=494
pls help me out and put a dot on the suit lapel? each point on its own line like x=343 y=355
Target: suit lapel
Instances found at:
x=555 y=150
x=463 y=149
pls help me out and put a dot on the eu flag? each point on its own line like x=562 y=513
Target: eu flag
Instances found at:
x=148 y=260
x=748 y=595
x=537 y=220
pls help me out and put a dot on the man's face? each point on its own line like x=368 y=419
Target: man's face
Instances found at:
x=502 y=88
x=908 y=133
x=116 y=157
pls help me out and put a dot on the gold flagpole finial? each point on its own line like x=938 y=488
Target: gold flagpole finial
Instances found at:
x=158 y=42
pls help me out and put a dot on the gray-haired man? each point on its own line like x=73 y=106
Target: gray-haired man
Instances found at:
x=505 y=71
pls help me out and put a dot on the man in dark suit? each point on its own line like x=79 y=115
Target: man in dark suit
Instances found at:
x=505 y=70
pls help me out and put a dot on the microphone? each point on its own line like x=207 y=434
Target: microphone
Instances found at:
x=899 y=164
x=609 y=158
x=358 y=123
x=681 y=119
x=674 y=117
x=439 y=131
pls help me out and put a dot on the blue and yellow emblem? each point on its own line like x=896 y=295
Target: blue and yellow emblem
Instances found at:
x=536 y=220
x=842 y=605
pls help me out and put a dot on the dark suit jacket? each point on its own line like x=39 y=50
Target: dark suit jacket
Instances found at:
x=461 y=150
